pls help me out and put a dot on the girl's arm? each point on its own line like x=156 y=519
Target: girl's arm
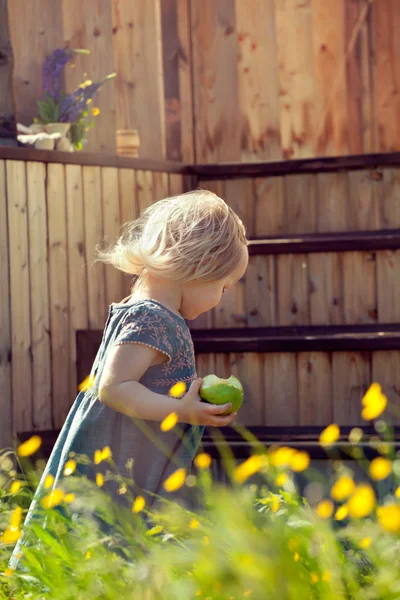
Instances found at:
x=120 y=390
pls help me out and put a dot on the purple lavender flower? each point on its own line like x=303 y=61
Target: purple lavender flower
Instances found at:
x=74 y=104
x=52 y=71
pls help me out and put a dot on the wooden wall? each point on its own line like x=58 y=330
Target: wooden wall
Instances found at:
x=51 y=218
x=224 y=80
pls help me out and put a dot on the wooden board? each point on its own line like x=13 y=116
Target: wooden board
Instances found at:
x=144 y=189
x=248 y=368
x=128 y=210
x=385 y=370
x=314 y=373
x=387 y=197
x=258 y=81
x=88 y=25
x=351 y=376
x=293 y=297
x=137 y=48
x=280 y=389
x=111 y=226
x=35 y=31
x=239 y=195
x=5 y=319
x=359 y=287
x=94 y=233
x=62 y=397
x=176 y=184
x=260 y=292
x=300 y=203
x=77 y=269
x=7 y=111
x=230 y=312
x=363 y=212
x=216 y=100
x=325 y=287
x=39 y=295
x=185 y=81
x=160 y=186
x=388 y=286
x=331 y=133
x=297 y=89
x=205 y=364
x=269 y=219
x=21 y=366
x=333 y=200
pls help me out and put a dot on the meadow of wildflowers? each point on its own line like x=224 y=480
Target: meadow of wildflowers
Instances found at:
x=256 y=537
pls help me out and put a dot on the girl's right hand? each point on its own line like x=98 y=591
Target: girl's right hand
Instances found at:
x=196 y=412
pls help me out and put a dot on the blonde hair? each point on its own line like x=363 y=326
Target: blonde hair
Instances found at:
x=193 y=236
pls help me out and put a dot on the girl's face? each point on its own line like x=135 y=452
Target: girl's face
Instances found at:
x=200 y=297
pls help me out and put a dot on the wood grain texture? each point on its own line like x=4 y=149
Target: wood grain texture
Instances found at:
x=239 y=195
x=387 y=197
x=137 y=47
x=185 y=81
x=351 y=376
x=87 y=24
x=7 y=111
x=293 y=296
x=260 y=292
x=359 y=287
x=332 y=202
x=363 y=213
x=326 y=297
x=5 y=319
x=248 y=368
x=385 y=371
x=281 y=389
x=300 y=203
x=39 y=296
x=144 y=189
x=21 y=366
x=59 y=297
x=315 y=388
x=388 y=286
x=114 y=279
x=269 y=200
x=128 y=211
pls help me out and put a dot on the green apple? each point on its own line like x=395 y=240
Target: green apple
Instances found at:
x=220 y=391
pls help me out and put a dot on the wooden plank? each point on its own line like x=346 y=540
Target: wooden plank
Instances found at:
x=94 y=233
x=7 y=116
x=215 y=79
x=359 y=287
x=114 y=280
x=280 y=389
x=160 y=186
x=39 y=296
x=185 y=81
x=258 y=80
x=260 y=292
x=35 y=31
x=137 y=48
x=205 y=364
x=21 y=366
x=332 y=202
x=144 y=189
x=269 y=201
x=351 y=377
x=326 y=302
x=300 y=203
x=314 y=372
x=89 y=26
x=239 y=195
x=386 y=24
x=5 y=319
x=363 y=209
x=59 y=301
x=385 y=370
x=248 y=368
x=297 y=88
x=292 y=287
x=77 y=271
x=176 y=185
x=388 y=286
x=230 y=312
x=128 y=210
x=387 y=196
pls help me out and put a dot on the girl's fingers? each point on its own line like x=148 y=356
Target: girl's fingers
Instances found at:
x=222 y=421
x=217 y=409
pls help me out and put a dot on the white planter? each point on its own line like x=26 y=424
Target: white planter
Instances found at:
x=61 y=128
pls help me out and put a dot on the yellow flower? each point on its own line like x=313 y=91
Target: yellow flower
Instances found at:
x=314 y=577
x=296 y=556
x=9 y=572
x=326 y=576
x=11 y=535
x=175 y=481
x=397 y=492
x=247 y=593
x=101 y=455
x=355 y=435
x=365 y=543
x=88 y=555
x=30 y=446
x=16 y=518
x=178 y=389
x=100 y=479
x=249 y=467
x=15 y=487
x=169 y=422
x=275 y=505
x=362 y=502
x=329 y=435
x=48 y=482
x=374 y=402
x=281 y=457
x=69 y=468
x=389 y=517
x=69 y=498
x=341 y=512
x=53 y=499
x=206 y=540
x=194 y=524
x=154 y=530
x=203 y=460
x=343 y=488
x=325 y=509
x=380 y=468
x=281 y=479
x=138 y=504
x=95 y=111
x=86 y=384
x=299 y=461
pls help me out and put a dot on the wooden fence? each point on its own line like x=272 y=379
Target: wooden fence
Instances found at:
x=224 y=80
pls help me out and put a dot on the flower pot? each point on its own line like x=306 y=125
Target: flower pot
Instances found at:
x=128 y=142
x=45 y=144
x=62 y=128
x=37 y=128
x=64 y=145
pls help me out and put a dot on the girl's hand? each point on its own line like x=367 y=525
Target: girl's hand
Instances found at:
x=196 y=412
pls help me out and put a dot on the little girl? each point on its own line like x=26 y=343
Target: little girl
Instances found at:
x=184 y=252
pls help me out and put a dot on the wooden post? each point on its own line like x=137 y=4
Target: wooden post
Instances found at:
x=7 y=118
